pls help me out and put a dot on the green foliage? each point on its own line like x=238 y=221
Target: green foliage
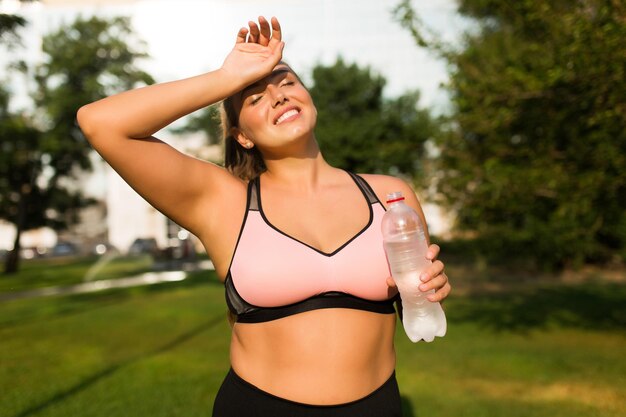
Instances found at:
x=206 y=121
x=360 y=130
x=9 y=25
x=85 y=61
x=535 y=159
x=21 y=196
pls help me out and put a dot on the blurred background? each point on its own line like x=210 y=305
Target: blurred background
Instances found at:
x=507 y=117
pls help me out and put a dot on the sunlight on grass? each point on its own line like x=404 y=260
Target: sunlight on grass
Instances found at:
x=163 y=351
x=37 y=273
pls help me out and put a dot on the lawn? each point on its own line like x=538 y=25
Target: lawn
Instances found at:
x=60 y=271
x=537 y=349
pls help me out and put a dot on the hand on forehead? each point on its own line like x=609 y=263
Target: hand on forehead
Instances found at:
x=276 y=76
x=278 y=73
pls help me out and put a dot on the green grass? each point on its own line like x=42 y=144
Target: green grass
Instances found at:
x=538 y=350
x=47 y=272
x=527 y=350
x=151 y=351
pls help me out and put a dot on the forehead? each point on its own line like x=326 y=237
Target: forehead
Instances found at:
x=279 y=72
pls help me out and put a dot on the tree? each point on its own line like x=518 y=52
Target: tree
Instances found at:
x=44 y=153
x=535 y=160
x=206 y=121
x=86 y=61
x=9 y=25
x=360 y=130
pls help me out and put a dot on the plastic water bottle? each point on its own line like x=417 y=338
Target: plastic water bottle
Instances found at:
x=406 y=246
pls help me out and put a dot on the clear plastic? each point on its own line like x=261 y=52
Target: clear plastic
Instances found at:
x=406 y=246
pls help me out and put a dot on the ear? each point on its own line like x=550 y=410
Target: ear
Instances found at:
x=241 y=138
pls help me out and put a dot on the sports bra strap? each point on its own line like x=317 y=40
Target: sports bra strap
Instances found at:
x=253 y=199
x=365 y=187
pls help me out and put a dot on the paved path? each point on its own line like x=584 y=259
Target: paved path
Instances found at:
x=147 y=278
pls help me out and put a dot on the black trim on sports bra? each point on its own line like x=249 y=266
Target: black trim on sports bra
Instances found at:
x=250 y=194
x=366 y=189
x=257 y=186
x=248 y=313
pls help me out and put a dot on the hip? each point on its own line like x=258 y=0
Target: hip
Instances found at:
x=238 y=397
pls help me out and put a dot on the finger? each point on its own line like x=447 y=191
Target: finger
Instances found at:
x=277 y=34
x=264 y=38
x=241 y=35
x=254 y=32
x=433 y=270
x=434 y=284
x=441 y=294
x=433 y=252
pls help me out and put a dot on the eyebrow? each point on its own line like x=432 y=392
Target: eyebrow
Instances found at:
x=269 y=77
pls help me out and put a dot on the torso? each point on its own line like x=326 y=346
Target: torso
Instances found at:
x=310 y=357
x=328 y=356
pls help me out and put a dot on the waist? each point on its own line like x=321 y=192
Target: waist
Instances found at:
x=334 y=355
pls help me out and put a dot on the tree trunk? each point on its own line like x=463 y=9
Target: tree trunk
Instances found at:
x=13 y=258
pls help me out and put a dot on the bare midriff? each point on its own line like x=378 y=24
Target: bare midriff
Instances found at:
x=323 y=357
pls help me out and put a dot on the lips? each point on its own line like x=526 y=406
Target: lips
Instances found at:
x=286 y=114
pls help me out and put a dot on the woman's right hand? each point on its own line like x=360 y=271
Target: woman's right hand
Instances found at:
x=257 y=51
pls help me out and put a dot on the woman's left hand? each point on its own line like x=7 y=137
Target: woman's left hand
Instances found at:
x=433 y=277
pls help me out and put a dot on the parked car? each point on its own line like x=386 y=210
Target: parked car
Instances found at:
x=144 y=245
x=64 y=249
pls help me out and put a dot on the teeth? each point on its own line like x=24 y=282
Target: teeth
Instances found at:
x=286 y=115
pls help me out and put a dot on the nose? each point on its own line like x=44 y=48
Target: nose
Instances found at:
x=276 y=94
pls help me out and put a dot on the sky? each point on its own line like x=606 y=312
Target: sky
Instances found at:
x=187 y=37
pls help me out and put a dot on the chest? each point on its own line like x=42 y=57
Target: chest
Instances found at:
x=271 y=268
x=323 y=223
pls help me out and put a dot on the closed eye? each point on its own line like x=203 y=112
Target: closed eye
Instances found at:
x=255 y=100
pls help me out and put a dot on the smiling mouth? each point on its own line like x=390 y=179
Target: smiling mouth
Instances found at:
x=286 y=115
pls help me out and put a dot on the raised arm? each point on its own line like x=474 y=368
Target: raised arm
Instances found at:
x=120 y=128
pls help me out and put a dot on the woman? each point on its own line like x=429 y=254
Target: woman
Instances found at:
x=296 y=241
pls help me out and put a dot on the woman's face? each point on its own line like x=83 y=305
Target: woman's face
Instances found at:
x=275 y=111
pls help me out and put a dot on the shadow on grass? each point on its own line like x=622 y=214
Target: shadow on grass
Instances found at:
x=407 y=407
x=96 y=377
x=591 y=306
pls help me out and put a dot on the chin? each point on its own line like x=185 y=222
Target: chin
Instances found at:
x=298 y=131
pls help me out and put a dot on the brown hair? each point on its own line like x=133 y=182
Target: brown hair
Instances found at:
x=242 y=162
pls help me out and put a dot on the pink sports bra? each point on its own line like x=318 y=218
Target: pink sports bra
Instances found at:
x=273 y=275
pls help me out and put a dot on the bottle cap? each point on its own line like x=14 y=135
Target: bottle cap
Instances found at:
x=395 y=196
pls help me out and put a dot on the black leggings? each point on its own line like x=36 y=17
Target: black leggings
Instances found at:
x=238 y=398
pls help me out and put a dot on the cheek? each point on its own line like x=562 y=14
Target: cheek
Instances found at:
x=250 y=121
x=312 y=104
x=313 y=115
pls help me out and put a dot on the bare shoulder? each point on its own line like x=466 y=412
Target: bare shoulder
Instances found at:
x=227 y=195
x=385 y=184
